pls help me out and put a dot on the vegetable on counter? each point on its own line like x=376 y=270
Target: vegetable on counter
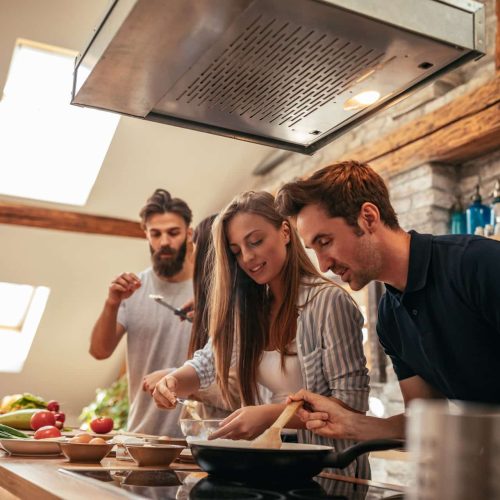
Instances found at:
x=11 y=433
x=102 y=425
x=41 y=419
x=24 y=401
x=48 y=431
x=20 y=419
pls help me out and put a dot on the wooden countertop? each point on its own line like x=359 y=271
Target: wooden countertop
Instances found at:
x=38 y=477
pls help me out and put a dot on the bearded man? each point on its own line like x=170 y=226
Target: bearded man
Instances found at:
x=157 y=341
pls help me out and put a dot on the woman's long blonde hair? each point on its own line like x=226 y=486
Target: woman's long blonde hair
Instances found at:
x=240 y=308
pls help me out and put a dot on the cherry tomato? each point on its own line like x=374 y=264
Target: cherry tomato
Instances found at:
x=59 y=425
x=48 y=431
x=60 y=417
x=102 y=425
x=53 y=405
x=42 y=418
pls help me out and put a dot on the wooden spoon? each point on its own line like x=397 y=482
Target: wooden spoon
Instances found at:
x=271 y=438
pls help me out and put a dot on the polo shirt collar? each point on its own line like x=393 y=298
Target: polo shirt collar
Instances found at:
x=418 y=264
x=420 y=258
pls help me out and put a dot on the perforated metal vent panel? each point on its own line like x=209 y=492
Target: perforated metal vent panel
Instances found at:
x=278 y=72
x=285 y=69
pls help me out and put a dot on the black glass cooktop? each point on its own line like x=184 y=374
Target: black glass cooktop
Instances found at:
x=181 y=485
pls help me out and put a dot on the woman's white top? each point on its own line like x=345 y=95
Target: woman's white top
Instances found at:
x=280 y=382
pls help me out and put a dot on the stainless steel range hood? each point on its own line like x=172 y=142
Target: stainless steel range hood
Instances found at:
x=292 y=74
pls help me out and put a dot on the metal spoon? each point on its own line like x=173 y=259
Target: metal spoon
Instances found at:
x=179 y=312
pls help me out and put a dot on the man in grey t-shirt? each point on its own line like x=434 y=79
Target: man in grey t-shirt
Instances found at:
x=156 y=340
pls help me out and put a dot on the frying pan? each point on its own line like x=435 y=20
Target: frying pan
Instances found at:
x=235 y=460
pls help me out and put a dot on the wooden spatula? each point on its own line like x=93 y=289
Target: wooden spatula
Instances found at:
x=271 y=438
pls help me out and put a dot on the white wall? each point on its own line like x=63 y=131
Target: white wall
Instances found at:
x=77 y=267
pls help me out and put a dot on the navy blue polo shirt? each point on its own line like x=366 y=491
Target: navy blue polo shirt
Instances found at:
x=445 y=326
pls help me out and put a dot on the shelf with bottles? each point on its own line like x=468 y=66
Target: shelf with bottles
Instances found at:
x=478 y=218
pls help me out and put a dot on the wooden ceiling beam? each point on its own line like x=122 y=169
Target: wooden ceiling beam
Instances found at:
x=497 y=41
x=26 y=215
x=463 y=140
x=463 y=129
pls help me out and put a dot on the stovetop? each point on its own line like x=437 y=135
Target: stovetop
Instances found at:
x=183 y=485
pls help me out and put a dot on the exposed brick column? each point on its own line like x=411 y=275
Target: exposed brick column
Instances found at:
x=423 y=196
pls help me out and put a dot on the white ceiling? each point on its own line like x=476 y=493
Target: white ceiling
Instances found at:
x=204 y=169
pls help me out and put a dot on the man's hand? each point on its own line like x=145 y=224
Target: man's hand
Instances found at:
x=122 y=287
x=324 y=416
x=248 y=422
x=151 y=379
x=188 y=308
x=164 y=393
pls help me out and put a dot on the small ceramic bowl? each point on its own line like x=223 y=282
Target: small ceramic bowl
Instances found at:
x=166 y=440
x=83 y=452
x=154 y=454
x=198 y=429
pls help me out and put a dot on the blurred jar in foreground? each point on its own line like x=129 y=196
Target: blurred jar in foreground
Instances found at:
x=455 y=450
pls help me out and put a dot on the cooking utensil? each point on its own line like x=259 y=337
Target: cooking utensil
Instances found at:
x=237 y=461
x=454 y=448
x=271 y=438
x=179 y=312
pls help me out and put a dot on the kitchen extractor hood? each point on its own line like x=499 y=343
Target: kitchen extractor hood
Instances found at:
x=292 y=74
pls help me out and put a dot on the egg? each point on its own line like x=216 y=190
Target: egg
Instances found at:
x=97 y=441
x=81 y=438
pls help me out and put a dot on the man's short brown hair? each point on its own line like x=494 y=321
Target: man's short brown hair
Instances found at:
x=341 y=189
x=161 y=202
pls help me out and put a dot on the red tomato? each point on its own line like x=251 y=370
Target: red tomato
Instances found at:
x=59 y=425
x=42 y=418
x=48 y=431
x=102 y=425
x=53 y=405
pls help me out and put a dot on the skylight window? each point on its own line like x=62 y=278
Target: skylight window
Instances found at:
x=51 y=150
x=20 y=314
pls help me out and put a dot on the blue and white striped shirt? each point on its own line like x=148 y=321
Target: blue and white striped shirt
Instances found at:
x=330 y=350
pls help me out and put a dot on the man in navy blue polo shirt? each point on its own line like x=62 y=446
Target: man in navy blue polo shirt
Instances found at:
x=439 y=319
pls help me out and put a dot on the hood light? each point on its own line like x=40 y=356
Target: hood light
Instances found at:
x=361 y=100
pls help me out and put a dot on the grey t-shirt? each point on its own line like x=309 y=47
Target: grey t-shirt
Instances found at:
x=156 y=340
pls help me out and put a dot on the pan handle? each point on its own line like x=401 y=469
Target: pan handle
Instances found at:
x=342 y=459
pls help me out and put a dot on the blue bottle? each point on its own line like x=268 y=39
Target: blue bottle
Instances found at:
x=477 y=214
x=457 y=218
x=495 y=205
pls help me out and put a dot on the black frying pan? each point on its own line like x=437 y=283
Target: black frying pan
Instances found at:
x=231 y=459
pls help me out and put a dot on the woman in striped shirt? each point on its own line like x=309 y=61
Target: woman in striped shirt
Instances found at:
x=283 y=325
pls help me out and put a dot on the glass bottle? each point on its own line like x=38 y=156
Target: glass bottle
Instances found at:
x=457 y=218
x=495 y=205
x=477 y=214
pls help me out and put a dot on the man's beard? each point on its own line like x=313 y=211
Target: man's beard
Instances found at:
x=166 y=268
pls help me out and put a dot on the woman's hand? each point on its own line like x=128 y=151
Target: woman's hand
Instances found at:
x=164 y=392
x=324 y=416
x=248 y=422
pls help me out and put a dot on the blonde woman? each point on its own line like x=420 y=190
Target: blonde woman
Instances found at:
x=278 y=322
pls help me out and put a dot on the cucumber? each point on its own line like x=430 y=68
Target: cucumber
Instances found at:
x=5 y=429
x=19 y=419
